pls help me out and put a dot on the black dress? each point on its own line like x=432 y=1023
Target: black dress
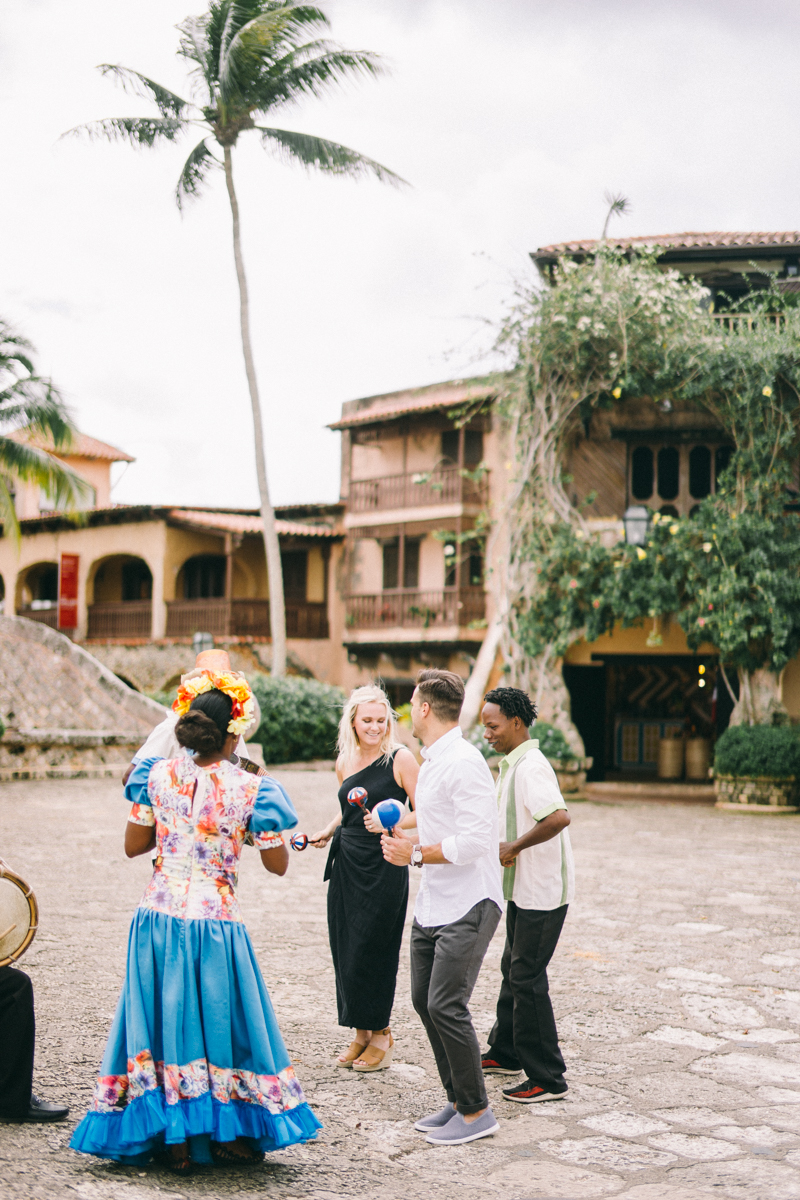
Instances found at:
x=367 y=901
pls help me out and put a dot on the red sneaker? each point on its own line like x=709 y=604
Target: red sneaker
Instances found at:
x=528 y=1092
x=490 y=1066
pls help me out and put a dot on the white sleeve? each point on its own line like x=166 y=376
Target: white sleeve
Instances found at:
x=475 y=813
x=162 y=742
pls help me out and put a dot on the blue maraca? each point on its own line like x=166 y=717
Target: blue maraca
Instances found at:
x=298 y=841
x=357 y=797
x=389 y=813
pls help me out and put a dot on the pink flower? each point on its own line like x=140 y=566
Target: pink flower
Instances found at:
x=701 y=621
x=595 y=604
x=573 y=583
x=711 y=608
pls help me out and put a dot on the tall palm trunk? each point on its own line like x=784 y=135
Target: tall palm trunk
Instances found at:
x=277 y=611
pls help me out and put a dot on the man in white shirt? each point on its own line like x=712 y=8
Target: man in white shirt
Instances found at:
x=459 y=903
x=538 y=884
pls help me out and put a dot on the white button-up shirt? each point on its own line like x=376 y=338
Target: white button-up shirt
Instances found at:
x=456 y=805
x=545 y=874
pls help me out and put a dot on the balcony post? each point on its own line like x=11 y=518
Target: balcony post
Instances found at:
x=228 y=617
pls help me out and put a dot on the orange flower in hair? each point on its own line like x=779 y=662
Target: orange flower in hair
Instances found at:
x=229 y=682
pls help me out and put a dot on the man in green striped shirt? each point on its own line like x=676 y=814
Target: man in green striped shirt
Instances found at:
x=538 y=885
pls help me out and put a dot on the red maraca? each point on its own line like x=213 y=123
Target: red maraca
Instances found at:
x=298 y=841
x=357 y=797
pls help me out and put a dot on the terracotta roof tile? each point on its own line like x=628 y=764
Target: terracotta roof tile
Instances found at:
x=82 y=446
x=413 y=400
x=679 y=241
x=243 y=523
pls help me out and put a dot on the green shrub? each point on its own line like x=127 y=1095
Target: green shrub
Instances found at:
x=552 y=742
x=299 y=718
x=476 y=738
x=758 y=750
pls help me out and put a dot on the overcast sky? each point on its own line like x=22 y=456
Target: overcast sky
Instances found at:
x=509 y=118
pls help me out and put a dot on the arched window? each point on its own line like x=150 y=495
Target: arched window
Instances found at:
x=668 y=472
x=204 y=577
x=700 y=472
x=642 y=473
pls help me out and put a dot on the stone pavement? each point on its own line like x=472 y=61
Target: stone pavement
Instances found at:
x=675 y=985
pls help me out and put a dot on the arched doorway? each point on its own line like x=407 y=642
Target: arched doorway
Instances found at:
x=37 y=593
x=120 y=598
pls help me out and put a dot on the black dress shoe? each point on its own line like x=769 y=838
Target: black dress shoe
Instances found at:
x=45 y=1110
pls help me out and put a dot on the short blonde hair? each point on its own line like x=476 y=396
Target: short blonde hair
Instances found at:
x=348 y=743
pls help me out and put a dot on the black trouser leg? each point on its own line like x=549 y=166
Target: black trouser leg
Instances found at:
x=445 y=961
x=17 y=1035
x=525 y=1030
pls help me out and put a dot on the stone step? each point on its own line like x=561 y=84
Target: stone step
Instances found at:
x=660 y=791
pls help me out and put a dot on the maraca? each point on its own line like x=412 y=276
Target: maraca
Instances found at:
x=357 y=797
x=389 y=813
x=298 y=841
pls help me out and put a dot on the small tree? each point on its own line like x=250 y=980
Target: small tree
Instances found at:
x=247 y=59
x=32 y=410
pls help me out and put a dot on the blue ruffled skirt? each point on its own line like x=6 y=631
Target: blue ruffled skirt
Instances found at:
x=194 y=1052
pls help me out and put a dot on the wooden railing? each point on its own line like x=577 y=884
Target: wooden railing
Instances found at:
x=747 y=322
x=127 y=618
x=243 y=618
x=445 y=485
x=413 y=609
x=45 y=616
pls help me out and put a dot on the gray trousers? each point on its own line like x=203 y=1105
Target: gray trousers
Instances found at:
x=445 y=961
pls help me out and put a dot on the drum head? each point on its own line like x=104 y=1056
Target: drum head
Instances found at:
x=19 y=916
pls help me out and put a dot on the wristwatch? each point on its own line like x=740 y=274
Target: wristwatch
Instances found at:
x=416 y=856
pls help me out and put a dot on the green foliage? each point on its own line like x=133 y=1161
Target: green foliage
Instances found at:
x=475 y=737
x=731 y=574
x=32 y=409
x=167 y=698
x=770 y=750
x=552 y=742
x=299 y=718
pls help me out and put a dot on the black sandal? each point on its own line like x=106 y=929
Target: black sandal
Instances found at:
x=229 y=1158
x=178 y=1166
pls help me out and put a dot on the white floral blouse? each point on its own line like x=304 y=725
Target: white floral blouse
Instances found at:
x=201 y=816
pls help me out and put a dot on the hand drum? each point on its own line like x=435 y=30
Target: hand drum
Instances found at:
x=388 y=812
x=298 y=841
x=357 y=797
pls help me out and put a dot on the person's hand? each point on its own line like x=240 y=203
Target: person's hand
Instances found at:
x=372 y=823
x=508 y=853
x=321 y=839
x=397 y=849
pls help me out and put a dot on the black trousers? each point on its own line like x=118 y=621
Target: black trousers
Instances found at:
x=445 y=961
x=524 y=1035
x=17 y=1033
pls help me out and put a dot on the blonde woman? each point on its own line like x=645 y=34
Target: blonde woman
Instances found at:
x=367 y=897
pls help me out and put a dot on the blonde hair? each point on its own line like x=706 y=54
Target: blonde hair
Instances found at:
x=348 y=743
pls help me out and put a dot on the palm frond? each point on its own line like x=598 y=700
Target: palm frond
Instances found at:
x=169 y=105
x=324 y=155
x=195 y=172
x=139 y=131
x=62 y=485
x=244 y=47
x=311 y=69
x=8 y=513
x=195 y=46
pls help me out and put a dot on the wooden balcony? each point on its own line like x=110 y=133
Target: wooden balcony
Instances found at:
x=416 y=610
x=125 y=619
x=740 y=322
x=243 y=618
x=445 y=485
x=45 y=616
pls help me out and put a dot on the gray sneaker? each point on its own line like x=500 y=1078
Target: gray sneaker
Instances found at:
x=457 y=1131
x=436 y=1120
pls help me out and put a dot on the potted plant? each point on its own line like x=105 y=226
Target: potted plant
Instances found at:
x=757 y=769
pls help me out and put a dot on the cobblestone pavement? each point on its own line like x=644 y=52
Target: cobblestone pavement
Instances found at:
x=675 y=986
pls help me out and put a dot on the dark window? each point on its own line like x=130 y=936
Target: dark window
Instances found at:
x=137 y=582
x=43 y=582
x=391 y=564
x=473 y=447
x=204 y=577
x=294 y=564
x=450 y=445
x=475 y=568
x=722 y=459
x=411 y=564
x=642 y=473
x=668 y=510
x=450 y=558
x=700 y=472
x=668 y=472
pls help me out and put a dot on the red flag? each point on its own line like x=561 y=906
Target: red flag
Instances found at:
x=68 y=592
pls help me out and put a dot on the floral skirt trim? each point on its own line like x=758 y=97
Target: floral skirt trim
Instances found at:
x=276 y=1093
x=133 y=1133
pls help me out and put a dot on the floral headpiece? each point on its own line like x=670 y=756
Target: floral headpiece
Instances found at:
x=229 y=682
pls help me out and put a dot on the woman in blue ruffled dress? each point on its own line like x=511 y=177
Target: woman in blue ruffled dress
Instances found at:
x=195 y=1066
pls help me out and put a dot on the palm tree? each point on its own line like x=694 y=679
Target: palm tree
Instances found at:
x=249 y=57
x=33 y=420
